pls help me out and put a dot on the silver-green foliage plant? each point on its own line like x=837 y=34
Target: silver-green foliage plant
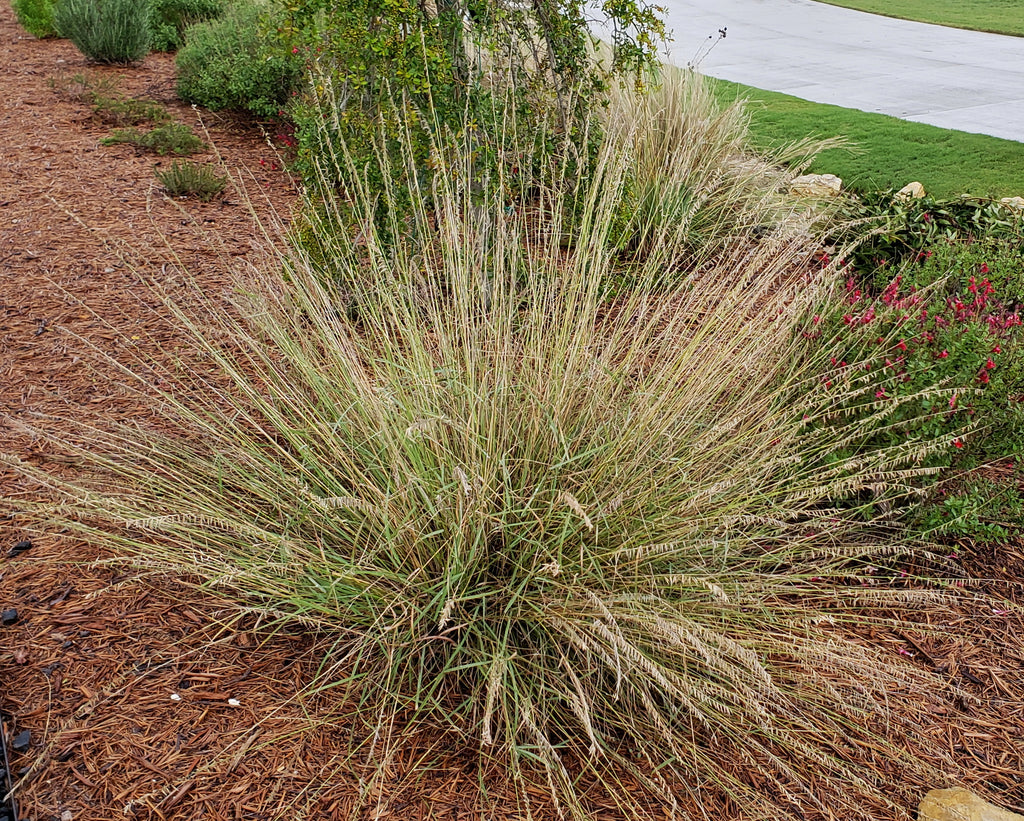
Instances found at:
x=591 y=533
x=106 y=31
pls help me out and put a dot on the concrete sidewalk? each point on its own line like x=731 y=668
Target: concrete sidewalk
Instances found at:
x=965 y=80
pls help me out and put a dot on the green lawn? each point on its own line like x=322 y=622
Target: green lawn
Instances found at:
x=1001 y=16
x=885 y=152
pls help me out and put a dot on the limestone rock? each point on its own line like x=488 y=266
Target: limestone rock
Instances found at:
x=816 y=185
x=910 y=191
x=1013 y=202
x=961 y=805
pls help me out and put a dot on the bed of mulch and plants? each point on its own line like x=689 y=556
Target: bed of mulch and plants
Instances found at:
x=128 y=692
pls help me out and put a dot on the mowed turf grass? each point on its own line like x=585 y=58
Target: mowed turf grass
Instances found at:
x=884 y=152
x=1000 y=16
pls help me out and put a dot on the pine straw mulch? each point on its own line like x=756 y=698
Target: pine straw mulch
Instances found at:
x=97 y=652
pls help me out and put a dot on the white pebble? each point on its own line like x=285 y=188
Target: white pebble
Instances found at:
x=175 y=697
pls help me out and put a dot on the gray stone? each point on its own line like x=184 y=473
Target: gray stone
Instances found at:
x=959 y=804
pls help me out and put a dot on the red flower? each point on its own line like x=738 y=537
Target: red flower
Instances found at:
x=881 y=394
x=989 y=364
x=983 y=268
x=943 y=354
x=997 y=349
x=957 y=444
x=902 y=345
x=983 y=377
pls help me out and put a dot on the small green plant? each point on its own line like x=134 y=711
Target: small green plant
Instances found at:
x=128 y=111
x=189 y=179
x=173 y=138
x=170 y=19
x=108 y=104
x=36 y=17
x=977 y=507
x=105 y=31
x=84 y=87
x=227 y=63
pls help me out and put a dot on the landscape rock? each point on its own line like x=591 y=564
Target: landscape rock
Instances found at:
x=910 y=191
x=816 y=185
x=1013 y=202
x=959 y=804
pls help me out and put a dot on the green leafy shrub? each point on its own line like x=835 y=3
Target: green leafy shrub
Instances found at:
x=596 y=537
x=36 y=17
x=395 y=76
x=173 y=138
x=228 y=63
x=106 y=31
x=898 y=230
x=189 y=179
x=170 y=19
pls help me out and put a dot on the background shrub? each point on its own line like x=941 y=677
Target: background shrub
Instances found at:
x=228 y=63
x=36 y=16
x=170 y=18
x=106 y=31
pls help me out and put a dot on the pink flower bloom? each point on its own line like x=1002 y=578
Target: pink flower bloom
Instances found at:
x=881 y=394
x=943 y=354
x=902 y=345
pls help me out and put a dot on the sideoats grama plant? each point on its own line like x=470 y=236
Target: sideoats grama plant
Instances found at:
x=591 y=533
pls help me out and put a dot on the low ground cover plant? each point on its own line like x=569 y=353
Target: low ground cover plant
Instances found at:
x=105 y=31
x=189 y=179
x=172 y=138
x=595 y=531
x=107 y=102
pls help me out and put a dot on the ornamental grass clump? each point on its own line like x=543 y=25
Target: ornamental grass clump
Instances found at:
x=585 y=528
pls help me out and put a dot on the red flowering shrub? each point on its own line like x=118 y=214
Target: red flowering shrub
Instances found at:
x=940 y=362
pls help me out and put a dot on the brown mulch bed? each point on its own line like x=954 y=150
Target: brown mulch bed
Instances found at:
x=145 y=699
